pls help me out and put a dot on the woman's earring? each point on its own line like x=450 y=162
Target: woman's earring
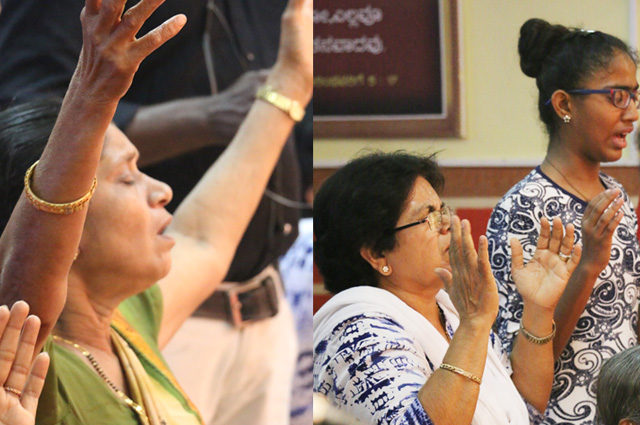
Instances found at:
x=567 y=119
x=386 y=270
x=75 y=257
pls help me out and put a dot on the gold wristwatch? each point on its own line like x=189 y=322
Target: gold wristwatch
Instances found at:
x=282 y=102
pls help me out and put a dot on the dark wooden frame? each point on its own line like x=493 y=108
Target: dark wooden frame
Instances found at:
x=446 y=125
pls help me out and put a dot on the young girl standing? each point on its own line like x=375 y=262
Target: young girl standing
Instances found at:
x=588 y=102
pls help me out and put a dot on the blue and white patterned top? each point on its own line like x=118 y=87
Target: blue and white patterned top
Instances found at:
x=608 y=324
x=296 y=269
x=372 y=368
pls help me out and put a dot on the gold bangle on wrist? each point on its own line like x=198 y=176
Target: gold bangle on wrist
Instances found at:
x=42 y=205
x=282 y=102
x=462 y=372
x=537 y=340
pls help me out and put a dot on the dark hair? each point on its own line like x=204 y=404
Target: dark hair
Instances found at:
x=618 y=388
x=359 y=205
x=562 y=58
x=24 y=132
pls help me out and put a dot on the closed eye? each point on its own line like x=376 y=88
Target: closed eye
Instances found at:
x=128 y=178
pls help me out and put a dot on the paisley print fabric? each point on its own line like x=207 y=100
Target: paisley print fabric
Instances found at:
x=608 y=324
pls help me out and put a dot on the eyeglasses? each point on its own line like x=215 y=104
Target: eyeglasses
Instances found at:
x=619 y=97
x=437 y=220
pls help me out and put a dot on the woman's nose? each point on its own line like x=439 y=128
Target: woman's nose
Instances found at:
x=631 y=113
x=160 y=193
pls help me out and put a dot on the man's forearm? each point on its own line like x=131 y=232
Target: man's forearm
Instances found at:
x=170 y=129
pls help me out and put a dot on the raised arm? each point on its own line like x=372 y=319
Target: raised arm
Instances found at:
x=474 y=294
x=38 y=247
x=599 y=221
x=196 y=121
x=540 y=283
x=208 y=225
x=154 y=129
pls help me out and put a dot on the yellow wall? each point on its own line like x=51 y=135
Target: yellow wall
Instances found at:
x=499 y=101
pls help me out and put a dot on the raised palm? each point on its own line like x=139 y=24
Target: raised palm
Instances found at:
x=545 y=276
x=22 y=383
x=12 y=411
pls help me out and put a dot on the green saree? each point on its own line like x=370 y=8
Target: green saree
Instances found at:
x=75 y=395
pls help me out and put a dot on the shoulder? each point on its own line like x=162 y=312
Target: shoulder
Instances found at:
x=365 y=326
x=374 y=328
x=518 y=209
x=611 y=183
x=361 y=339
x=74 y=395
x=520 y=197
x=372 y=367
x=533 y=186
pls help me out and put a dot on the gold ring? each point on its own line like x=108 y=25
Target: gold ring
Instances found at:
x=564 y=257
x=13 y=391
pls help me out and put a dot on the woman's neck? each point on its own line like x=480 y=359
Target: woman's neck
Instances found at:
x=86 y=319
x=423 y=301
x=85 y=329
x=573 y=172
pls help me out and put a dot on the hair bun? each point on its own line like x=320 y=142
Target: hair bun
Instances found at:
x=537 y=38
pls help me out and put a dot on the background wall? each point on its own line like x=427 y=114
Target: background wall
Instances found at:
x=499 y=101
x=504 y=138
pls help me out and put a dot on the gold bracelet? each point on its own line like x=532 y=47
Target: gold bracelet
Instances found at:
x=462 y=372
x=42 y=205
x=535 y=339
x=282 y=102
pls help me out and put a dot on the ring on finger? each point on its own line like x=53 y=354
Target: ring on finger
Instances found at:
x=564 y=257
x=13 y=391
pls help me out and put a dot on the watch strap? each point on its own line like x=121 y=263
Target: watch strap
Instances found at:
x=282 y=102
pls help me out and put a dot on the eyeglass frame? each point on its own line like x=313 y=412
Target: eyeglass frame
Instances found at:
x=632 y=95
x=426 y=220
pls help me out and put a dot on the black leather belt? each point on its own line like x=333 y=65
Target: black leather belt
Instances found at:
x=240 y=303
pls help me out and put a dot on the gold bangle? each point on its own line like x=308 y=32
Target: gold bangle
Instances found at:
x=535 y=339
x=282 y=102
x=42 y=205
x=462 y=372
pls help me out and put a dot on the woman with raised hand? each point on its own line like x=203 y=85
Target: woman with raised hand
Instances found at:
x=588 y=102
x=113 y=280
x=21 y=376
x=406 y=339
